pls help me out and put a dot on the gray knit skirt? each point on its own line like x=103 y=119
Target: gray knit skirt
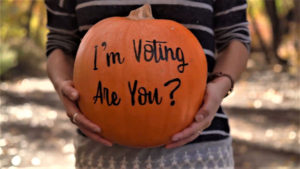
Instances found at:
x=208 y=155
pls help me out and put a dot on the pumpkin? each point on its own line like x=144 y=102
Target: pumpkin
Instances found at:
x=140 y=79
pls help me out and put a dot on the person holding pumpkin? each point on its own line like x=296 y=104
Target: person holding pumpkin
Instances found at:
x=206 y=143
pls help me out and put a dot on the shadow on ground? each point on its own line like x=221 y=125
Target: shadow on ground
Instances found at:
x=34 y=126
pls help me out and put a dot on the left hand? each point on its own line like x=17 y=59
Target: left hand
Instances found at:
x=215 y=92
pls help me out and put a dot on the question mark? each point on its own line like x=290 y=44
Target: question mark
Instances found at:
x=176 y=80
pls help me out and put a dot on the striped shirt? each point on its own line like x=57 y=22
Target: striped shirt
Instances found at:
x=214 y=22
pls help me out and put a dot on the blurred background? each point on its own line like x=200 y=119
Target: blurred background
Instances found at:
x=264 y=109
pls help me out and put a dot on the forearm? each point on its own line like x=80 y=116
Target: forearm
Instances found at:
x=231 y=61
x=59 y=67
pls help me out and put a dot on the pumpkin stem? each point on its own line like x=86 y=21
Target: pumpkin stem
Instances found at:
x=143 y=12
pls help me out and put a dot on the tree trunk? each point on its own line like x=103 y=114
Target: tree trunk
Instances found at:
x=38 y=32
x=29 y=15
x=297 y=26
x=259 y=36
x=277 y=26
x=297 y=11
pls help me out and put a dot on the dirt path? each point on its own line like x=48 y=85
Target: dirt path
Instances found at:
x=36 y=133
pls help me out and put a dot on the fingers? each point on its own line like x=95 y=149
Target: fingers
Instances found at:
x=183 y=141
x=87 y=124
x=70 y=107
x=203 y=120
x=204 y=112
x=209 y=107
x=205 y=109
x=95 y=137
x=69 y=91
x=189 y=134
x=193 y=128
x=69 y=97
x=81 y=120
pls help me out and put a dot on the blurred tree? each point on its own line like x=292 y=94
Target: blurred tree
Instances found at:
x=261 y=41
x=22 y=36
x=297 y=11
x=23 y=19
x=29 y=16
x=278 y=27
x=282 y=15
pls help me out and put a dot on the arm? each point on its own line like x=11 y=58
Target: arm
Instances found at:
x=231 y=61
x=62 y=43
x=60 y=68
x=235 y=54
x=232 y=43
x=60 y=72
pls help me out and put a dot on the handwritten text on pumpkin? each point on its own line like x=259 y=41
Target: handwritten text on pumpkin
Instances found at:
x=148 y=51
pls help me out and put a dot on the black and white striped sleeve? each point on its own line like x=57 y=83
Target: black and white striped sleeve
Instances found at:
x=230 y=22
x=62 y=25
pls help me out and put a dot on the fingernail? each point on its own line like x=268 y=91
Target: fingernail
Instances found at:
x=107 y=144
x=97 y=130
x=176 y=138
x=199 y=117
x=74 y=95
x=169 y=146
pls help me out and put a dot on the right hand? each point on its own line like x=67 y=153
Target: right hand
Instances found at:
x=69 y=96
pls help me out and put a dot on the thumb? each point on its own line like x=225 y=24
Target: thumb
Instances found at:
x=69 y=91
x=210 y=105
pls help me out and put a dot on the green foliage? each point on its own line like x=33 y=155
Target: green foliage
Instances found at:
x=29 y=59
x=22 y=36
x=283 y=7
x=14 y=20
x=8 y=58
x=257 y=6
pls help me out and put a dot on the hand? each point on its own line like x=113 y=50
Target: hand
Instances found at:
x=215 y=92
x=69 y=96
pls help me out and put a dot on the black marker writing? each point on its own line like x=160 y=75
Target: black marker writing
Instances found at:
x=158 y=51
x=113 y=56
x=95 y=58
x=176 y=80
x=104 y=95
x=143 y=96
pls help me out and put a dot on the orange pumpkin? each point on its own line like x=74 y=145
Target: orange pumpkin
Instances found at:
x=140 y=79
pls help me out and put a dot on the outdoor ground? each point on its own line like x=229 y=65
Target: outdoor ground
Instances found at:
x=264 y=117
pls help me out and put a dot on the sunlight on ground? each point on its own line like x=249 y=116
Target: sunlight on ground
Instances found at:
x=33 y=133
x=28 y=85
x=36 y=132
